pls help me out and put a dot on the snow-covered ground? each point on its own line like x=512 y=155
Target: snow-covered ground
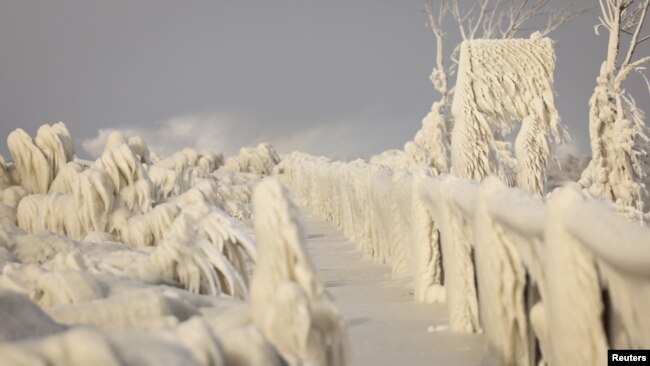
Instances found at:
x=385 y=325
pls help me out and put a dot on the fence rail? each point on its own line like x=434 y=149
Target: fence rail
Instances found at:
x=558 y=280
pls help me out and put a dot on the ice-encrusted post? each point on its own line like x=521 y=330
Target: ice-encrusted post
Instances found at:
x=501 y=81
x=456 y=237
x=288 y=301
x=426 y=250
x=574 y=308
x=501 y=281
x=622 y=268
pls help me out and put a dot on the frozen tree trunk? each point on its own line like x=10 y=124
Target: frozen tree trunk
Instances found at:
x=430 y=147
x=619 y=138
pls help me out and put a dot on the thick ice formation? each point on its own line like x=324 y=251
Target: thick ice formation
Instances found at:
x=430 y=145
x=5 y=176
x=260 y=160
x=620 y=139
x=501 y=81
x=426 y=252
x=572 y=281
x=358 y=197
x=502 y=261
x=38 y=161
x=114 y=197
x=288 y=302
x=428 y=152
x=534 y=277
x=132 y=261
x=395 y=160
x=619 y=143
x=450 y=203
x=33 y=170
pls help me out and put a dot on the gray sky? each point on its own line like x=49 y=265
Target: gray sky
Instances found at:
x=337 y=78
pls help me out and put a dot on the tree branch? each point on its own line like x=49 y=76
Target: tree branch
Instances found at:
x=627 y=69
x=635 y=36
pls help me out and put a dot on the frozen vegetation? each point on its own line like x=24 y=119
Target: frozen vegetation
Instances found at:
x=132 y=259
x=619 y=137
x=193 y=259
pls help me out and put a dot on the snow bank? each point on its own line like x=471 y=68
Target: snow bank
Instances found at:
x=535 y=275
x=133 y=260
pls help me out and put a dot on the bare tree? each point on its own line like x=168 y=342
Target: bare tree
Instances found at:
x=616 y=126
x=488 y=19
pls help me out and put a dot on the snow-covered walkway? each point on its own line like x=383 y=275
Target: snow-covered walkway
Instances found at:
x=386 y=325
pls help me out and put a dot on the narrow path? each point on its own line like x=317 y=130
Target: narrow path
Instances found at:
x=386 y=325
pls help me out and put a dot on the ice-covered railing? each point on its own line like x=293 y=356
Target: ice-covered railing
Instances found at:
x=558 y=280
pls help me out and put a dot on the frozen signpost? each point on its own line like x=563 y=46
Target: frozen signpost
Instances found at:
x=501 y=82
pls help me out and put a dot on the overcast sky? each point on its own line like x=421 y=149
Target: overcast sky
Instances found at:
x=336 y=78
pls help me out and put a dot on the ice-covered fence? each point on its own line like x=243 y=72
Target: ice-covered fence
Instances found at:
x=591 y=251
x=532 y=274
x=357 y=197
